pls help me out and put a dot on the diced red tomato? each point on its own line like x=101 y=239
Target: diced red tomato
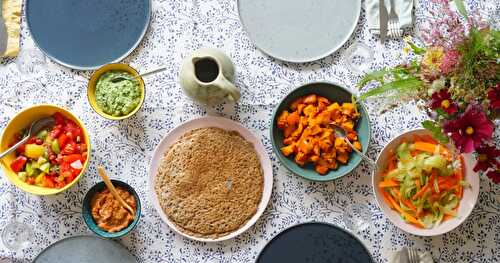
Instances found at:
x=48 y=182
x=72 y=157
x=21 y=148
x=69 y=148
x=84 y=156
x=55 y=132
x=62 y=140
x=31 y=140
x=30 y=180
x=18 y=164
x=73 y=128
x=38 y=141
x=59 y=118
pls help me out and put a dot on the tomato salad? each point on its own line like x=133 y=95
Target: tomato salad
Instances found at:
x=52 y=158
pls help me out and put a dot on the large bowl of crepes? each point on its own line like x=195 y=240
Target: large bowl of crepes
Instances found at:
x=210 y=179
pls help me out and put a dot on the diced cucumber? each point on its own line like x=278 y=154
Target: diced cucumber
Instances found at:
x=34 y=165
x=41 y=160
x=42 y=134
x=22 y=175
x=55 y=147
x=45 y=167
x=29 y=169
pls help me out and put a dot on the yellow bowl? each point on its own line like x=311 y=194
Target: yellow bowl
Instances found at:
x=22 y=120
x=92 y=85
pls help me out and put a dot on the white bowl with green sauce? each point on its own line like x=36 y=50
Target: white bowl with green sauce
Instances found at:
x=115 y=100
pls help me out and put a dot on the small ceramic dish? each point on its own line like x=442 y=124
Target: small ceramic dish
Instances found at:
x=467 y=203
x=87 y=212
x=333 y=92
x=206 y=122
x=93 y=82
x=22 y=120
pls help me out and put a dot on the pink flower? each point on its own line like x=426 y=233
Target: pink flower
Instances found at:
x=450 y=62
x=487 y=157
x=442 y=99
x=470 y=129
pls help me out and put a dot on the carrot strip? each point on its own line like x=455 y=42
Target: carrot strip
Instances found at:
x=417 y=183
x=409 y=205
x=386 y=198
x=388 y=183
x=429 y=147
x=392 y=163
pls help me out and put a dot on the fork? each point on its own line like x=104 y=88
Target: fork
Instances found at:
x=413 y=255
x=393 y=23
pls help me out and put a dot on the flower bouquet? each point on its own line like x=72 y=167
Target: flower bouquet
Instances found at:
x=455 y=76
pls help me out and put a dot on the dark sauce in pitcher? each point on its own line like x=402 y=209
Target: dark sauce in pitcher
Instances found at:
x=206 y=70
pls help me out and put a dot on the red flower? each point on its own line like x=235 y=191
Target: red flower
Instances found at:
x=494 y=97
x=470 y=129
x=486 y=157
x=442 y=99
x=494 y=175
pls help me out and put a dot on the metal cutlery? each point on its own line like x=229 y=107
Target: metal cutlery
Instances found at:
x=383 y=20
x=393 y=23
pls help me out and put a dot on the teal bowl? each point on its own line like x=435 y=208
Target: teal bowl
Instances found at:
x=87 y=214
x=333 y=92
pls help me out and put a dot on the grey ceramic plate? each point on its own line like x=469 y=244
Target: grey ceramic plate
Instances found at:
x=85 y=249
x=299 y=30
x=87 y=34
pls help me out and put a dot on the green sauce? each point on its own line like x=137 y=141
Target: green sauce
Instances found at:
x=120 y=98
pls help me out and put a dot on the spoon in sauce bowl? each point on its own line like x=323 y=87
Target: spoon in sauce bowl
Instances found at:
x=113 y=191
x=149 y=72
x=341 y=133
x=35 y=127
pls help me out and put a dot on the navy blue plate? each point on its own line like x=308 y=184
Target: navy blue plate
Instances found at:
x=314 y=243
x=87 y=34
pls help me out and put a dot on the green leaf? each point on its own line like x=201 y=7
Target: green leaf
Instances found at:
x=376 y=75
x=398 y=86
x=416 y=50
x=441 y=112
x=461 y=7
x=436 y=131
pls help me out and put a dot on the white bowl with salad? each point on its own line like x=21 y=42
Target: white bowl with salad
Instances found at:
x=424 y=187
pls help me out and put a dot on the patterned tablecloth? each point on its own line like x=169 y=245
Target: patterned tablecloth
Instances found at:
x=125 y=147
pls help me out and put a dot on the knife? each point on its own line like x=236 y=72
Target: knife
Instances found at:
x=384 y=19
x=3 y=32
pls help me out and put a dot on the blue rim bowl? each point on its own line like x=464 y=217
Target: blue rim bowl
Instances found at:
x=87 y=214
x=336 y=93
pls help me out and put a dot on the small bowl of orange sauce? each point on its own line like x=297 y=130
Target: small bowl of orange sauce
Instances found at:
x=104 y=215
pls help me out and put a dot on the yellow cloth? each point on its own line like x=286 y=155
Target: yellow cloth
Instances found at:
x=11 y=12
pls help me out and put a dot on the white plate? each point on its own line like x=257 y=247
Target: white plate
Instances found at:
x=299 y=30
x=469 y=198
x=223 y=123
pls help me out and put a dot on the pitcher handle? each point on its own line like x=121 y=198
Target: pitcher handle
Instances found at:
x=233 y=92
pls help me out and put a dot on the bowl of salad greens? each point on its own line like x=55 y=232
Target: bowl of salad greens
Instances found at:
x=423 y=187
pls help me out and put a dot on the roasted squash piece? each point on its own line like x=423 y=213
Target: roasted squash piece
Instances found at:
x=282 y=119
x=293 y=118
x=311 y=99
x=357 y=145
x=342 y=157
x=295 y=104
x=287 y=150
x=310 y=111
